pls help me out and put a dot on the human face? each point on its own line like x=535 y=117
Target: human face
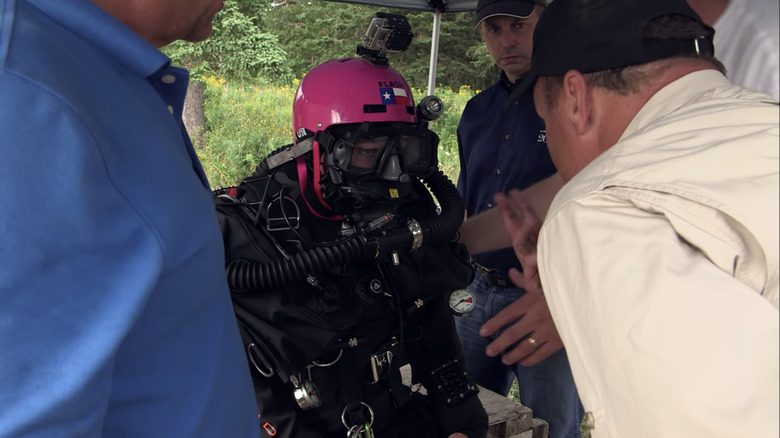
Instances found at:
x=366 y=151
x=510 y=42
x=188 y=20
x=161 y=22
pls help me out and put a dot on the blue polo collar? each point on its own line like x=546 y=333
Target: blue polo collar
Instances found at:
x=84 y=18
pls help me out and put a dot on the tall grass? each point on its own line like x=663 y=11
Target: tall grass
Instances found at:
x=246 y=121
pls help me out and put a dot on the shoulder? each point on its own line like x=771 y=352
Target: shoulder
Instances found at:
x=486 y=97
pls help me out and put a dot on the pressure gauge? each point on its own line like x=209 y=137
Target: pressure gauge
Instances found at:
x=462 y=302
x=307 y=396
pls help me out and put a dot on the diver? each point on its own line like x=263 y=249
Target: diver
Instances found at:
x=342 y=268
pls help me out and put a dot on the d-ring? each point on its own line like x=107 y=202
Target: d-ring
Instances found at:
x=370 y=416
x=532 y=341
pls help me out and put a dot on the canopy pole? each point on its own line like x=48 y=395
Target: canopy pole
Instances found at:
x=434 y=51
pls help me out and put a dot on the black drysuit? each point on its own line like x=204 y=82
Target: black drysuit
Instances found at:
x=324 y=325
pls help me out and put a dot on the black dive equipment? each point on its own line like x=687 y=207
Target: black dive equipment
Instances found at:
x=341 y=263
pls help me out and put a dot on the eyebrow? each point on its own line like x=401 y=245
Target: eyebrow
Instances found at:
x=492 y=21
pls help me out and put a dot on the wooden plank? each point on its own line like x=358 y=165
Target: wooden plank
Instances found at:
x=508 y=419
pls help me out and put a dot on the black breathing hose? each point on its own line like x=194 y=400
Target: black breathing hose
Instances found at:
x=249 y=276
x=452 y=208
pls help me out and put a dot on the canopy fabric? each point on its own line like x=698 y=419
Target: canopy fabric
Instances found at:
x=421 y=5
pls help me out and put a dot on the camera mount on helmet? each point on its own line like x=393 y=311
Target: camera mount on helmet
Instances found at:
x=392 y=33
x=385 y=33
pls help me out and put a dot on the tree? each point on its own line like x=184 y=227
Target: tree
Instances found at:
x=312 y=32
x=237 y=49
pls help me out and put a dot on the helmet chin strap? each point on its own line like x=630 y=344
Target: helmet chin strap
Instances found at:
x=302 y=181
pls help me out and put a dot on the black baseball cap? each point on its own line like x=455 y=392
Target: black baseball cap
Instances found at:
x=512 y=8
x=596 y=35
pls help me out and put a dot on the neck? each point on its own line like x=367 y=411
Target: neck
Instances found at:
x=614 y=123
x=513 y=78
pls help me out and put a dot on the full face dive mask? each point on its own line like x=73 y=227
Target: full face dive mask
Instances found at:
x=383 y=152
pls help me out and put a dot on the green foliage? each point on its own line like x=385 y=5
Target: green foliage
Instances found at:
x=247 y=120
x=277 y=40
x=244 y=123
x=460 y=61
x=315 y=31
x=446 y=127
x=237 y=49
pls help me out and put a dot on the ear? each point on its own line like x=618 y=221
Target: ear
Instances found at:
x=578 y=101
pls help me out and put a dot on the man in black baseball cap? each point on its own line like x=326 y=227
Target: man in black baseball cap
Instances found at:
x=590 y=36
x=500 y=150
x=659 y=257
x=509 y=8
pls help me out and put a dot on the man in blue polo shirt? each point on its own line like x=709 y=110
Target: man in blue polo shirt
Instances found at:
x=115 y=317
x=501 y=150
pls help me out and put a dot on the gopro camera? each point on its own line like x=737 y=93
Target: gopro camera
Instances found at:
x=388 y=33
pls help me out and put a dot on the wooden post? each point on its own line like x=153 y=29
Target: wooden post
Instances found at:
x=508 y=419
x=193 y=115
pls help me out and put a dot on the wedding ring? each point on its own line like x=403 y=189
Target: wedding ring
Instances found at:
x=532 y=341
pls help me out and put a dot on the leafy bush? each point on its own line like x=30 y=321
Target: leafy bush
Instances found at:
x=238 y=48
x=446 y=127
x=245 y=121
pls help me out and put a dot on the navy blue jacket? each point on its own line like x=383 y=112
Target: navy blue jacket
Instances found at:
x=499 y=150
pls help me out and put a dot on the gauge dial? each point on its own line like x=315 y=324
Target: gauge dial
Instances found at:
x=307 y=396
x=462 y=302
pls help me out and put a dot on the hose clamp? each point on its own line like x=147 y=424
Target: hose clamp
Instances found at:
x=417 y=233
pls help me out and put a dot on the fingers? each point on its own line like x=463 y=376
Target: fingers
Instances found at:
x=510 y=314
x=546 y=350
x=545 y=343
x=512 y=335
x=518 y=279
x=512 y=219
x=528 y=224
x=523 y=227
x=529 y=335
x=517 y=213
x=457 y=435
x=530 y=355
x=528 y=281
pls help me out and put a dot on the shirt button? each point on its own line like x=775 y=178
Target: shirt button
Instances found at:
x=168 y=79
x=490 y=205
x=589 y=421
x=498 y=171
x=506 y=137
x=170 y=109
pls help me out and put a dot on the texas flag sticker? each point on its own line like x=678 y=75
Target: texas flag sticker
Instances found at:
x=394 y=96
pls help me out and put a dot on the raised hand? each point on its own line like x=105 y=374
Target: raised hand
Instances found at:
x=529 y=335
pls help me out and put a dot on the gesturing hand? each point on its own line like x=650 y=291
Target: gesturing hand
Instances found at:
x=527 y=325
x=523 y=226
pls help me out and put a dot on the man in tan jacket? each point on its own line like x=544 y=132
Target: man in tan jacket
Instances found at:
x=659 y=257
